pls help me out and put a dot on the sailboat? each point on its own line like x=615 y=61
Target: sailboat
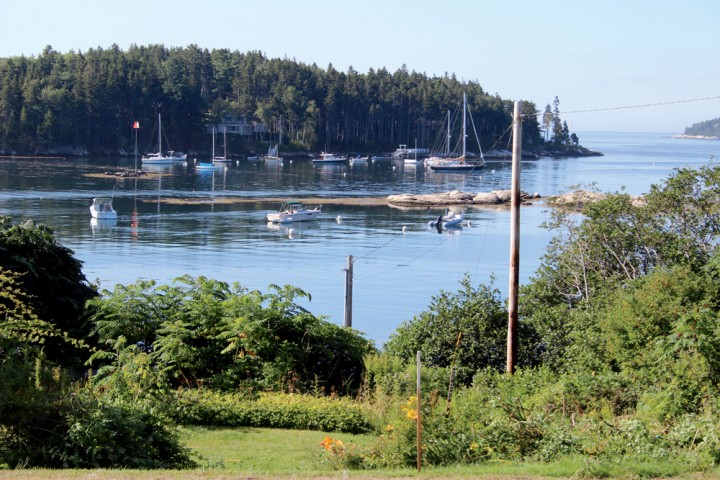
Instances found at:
x=457 y=164
x=158 y=158
x=224 y=158
x=274 y=152
x=215 y=162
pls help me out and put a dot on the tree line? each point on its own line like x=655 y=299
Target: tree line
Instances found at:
x=708 y=128
x=91 y=100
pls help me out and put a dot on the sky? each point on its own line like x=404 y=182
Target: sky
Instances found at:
x=615 y=65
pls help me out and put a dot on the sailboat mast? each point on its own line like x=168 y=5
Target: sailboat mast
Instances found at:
x=464 y=124
x=447 y=146
x=159 y=135
x=225 y=140
x=213 y=156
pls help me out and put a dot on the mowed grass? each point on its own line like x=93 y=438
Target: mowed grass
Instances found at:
x=262 y=451
x=258 y=453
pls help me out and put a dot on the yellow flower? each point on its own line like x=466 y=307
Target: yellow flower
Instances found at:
x=389 y=428
x=474 y=446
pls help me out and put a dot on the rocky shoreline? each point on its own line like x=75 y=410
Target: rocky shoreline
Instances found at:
x=456 y=197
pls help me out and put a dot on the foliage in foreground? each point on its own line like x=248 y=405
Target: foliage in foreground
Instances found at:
x=51 y=280
x=53 y=421
x=200 y=332
x=539 y=416
x=302 y=412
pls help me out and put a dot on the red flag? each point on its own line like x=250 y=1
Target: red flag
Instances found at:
x=136 y=124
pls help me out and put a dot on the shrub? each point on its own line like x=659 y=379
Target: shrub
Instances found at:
x=117 y=435
x=294 y=411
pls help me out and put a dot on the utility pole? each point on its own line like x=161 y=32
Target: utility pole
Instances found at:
x=418 y=417
x=348 y=291
x=514 y=240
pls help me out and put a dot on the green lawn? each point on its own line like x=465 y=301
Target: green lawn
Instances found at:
x=257 y=453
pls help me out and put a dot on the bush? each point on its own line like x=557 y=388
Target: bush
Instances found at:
x=116 y=435
x=302 y=412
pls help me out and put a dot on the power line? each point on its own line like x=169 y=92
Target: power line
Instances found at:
x=626 y=107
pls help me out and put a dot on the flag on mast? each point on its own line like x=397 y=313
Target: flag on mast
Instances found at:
x=136 y=124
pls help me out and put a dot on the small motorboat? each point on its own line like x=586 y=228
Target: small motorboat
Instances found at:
x=329 y=159
x=102 y=209
x=293 y=211
x=450 y=219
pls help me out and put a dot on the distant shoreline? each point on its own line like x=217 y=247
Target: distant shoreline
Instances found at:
x=697 y=137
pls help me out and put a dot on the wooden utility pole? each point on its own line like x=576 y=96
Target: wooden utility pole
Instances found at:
x=348 y=291
x=514 y=240
x=418 y=418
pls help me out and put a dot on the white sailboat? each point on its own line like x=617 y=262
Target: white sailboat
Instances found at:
x=459 y=163
x=158 y=158
x=274 y=152
x=224 y=158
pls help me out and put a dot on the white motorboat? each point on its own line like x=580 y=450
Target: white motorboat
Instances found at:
x=293 y=211
x=329 y=158
x=102 y=208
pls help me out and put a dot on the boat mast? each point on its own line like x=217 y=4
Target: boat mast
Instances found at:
x=447 y=146
x=213 y=156
x=225 y=141
x=464 y=125
x=159 y=136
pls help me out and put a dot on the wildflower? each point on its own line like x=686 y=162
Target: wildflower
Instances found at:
x=409 y=410
x=327 y=443
x=389 y=428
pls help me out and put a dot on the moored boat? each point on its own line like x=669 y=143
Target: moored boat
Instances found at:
x=329 y=158
x=160 y=158
x=293 y=211
x=450 y=219
x=458 y=163
x=102 y=208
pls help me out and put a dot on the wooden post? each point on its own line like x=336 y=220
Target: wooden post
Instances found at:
x=418 y=419
x=348 y=291
x=514 y=240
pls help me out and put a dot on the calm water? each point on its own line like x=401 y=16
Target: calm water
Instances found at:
x=395 y=274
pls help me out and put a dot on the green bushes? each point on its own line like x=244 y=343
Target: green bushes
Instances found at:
x=202 y=333
x=206 y=407
x=118 y=435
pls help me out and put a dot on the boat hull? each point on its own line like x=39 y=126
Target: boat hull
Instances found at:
x=280 y=217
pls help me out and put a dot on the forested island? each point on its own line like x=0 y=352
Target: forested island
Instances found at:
x=706 y=129
x=85 y=103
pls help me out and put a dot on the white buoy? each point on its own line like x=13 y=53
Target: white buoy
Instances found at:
x=404 y=229
x=338 y=219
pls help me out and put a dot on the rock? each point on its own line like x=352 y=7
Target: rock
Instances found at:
x=457 y=197
x=487 y=198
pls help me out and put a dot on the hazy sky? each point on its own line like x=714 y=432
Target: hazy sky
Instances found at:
x=592 y=54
